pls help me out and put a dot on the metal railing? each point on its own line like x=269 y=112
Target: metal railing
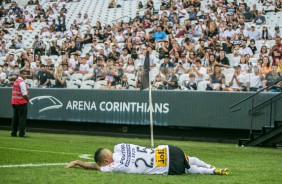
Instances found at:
x=245 y=99
x=255 y=108
x=122 y=18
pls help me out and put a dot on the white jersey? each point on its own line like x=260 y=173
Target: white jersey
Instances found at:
x=130 y=158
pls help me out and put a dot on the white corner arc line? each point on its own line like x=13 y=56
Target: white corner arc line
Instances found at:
x=32 y=165
x=42 y=151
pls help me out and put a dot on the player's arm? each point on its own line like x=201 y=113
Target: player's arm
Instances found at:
x=84 y=165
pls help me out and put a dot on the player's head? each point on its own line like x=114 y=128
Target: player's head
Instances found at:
x=103 y=156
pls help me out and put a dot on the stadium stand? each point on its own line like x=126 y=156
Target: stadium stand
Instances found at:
x=76 y=39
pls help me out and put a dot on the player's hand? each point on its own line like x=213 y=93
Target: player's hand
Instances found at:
x=71 y=164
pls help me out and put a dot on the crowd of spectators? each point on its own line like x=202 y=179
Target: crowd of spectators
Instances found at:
x=192 y=38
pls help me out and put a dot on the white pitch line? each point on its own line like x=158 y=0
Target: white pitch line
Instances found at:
x=32 y=165
x=42 y=151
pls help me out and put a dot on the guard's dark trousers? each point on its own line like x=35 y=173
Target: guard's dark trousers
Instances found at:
x=19 y=119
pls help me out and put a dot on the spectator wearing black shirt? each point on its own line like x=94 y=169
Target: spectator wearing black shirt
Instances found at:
x=272 y=77
x=37 y=16
x=54 y=49
x=73 y=49
x=62 y=20
x=114 y=55
x=13 y=45
x=50 y=68
x=87 y=37
x=252 y=46
x=64 y=9
x=170 y=80
x=222 y=60
x=78 y=44
x=99 y=71
x=43 y=77
x=54 y=26
x=248 y=15
x=10 y=24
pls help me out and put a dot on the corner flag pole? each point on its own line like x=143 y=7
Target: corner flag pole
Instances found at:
x=145 y=84
x=151 y=113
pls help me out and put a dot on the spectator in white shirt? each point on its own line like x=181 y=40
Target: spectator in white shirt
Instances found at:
x=61 y=3
x=119 y=36
x=182 y=12
x=107 y=49
x=153 y=59
x=83 y=67
x=237 y=80
x=200 y=28
x=19 y=42
x=229 y=32
x=199 y=71
x=277 y=33
x=73 y=62
x=79 y=19
x=3 y=75
x=45 y=33
x=3 y=48
x=245 y=50
x=242 y=30
x=253 y=33
x=86 y=19
x=255 y=80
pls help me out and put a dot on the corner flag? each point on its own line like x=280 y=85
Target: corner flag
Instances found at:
x=145 y=75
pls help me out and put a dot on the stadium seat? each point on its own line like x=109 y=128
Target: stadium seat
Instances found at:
x=99 y=84
x=202 y=86
x=228 y=71
x=86 y=76
x=87 y=84
x=30 y=83
x=131 y=79
x=228 y=78
x=53 y=82
x=72 y=84
x=76 y=76
x=182 y=78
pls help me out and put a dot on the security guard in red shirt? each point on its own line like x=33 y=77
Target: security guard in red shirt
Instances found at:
x=20 y=99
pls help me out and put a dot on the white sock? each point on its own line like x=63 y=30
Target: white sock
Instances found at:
x=198 y=162
x=199 y=170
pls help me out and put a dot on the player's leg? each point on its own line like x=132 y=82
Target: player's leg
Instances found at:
x=194 y=169
x=198 y=162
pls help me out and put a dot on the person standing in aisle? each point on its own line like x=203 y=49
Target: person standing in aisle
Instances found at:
x=20 y=97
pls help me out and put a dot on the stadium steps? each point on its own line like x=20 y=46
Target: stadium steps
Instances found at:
x=268 y=137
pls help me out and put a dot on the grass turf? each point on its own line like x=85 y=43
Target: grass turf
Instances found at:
x=247 y=165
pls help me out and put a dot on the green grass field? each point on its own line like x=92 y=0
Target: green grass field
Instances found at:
x=247 y=165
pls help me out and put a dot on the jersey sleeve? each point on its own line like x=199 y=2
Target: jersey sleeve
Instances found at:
x=108 y=168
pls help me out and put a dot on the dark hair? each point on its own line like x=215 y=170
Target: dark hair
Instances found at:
x=265 y=34
x=198 y=61
x=98 y=155
x=263 y=47
x=23 y=71
x=268 y=63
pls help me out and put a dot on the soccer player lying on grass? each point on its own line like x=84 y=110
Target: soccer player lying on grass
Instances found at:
x=165 y=159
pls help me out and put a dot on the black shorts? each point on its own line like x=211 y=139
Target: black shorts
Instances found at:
x=177 y=161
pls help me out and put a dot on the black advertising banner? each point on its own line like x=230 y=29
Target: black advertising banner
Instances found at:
x=170 y=108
